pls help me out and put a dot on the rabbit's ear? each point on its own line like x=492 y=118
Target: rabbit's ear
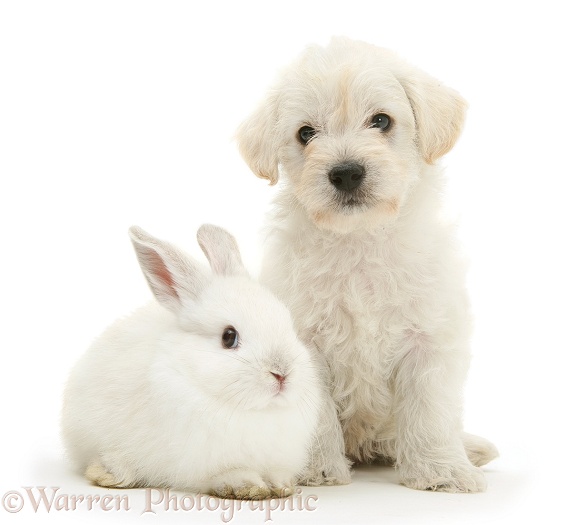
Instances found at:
x=173 y=277
x=221 y=250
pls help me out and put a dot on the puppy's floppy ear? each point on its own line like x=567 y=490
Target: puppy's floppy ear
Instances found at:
x=257 y=139
x=439 y=112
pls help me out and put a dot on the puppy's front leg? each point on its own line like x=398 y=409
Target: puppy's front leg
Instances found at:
x=328 y=464
x=429 y=449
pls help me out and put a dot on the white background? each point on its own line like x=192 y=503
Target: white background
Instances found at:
x=115 y=113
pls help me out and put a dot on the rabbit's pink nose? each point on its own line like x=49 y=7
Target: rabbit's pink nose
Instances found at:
x=278 y=377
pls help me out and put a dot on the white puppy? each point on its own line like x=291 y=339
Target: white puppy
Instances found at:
x=359 y=251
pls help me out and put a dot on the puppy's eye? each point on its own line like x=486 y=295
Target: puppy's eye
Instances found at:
x=306 y=133
x=382 y=121
x=230 y=338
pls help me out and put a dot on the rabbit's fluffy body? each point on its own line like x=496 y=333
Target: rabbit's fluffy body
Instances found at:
x=157 y=400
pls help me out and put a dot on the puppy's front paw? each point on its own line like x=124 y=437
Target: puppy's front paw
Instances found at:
x=336 y=474
x=443 y=478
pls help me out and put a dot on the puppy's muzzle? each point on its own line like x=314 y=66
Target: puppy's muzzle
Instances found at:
x=347 y=176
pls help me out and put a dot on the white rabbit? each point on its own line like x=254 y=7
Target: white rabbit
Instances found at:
x=208 y=389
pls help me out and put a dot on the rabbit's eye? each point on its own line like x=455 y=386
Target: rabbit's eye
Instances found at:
x=230 y=338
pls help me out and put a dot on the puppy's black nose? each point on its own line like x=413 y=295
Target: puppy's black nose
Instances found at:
x=347 y=176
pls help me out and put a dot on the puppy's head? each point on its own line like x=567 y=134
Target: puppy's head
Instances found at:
x=349 y=126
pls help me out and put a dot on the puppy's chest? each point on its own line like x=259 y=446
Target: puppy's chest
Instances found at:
x=350 y=304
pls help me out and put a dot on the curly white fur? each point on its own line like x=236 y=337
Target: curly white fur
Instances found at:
x=373 y=277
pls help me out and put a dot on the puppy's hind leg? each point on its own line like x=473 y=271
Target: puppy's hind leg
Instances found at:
x=479 y=450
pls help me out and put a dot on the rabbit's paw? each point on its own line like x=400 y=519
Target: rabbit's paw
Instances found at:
x=280 y=483
x=282 y=491
x=98 y=474
x=246 y=492
x=444 y=478
x=240 y=484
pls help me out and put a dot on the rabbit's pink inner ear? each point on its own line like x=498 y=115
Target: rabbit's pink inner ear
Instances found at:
x=158 y=269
